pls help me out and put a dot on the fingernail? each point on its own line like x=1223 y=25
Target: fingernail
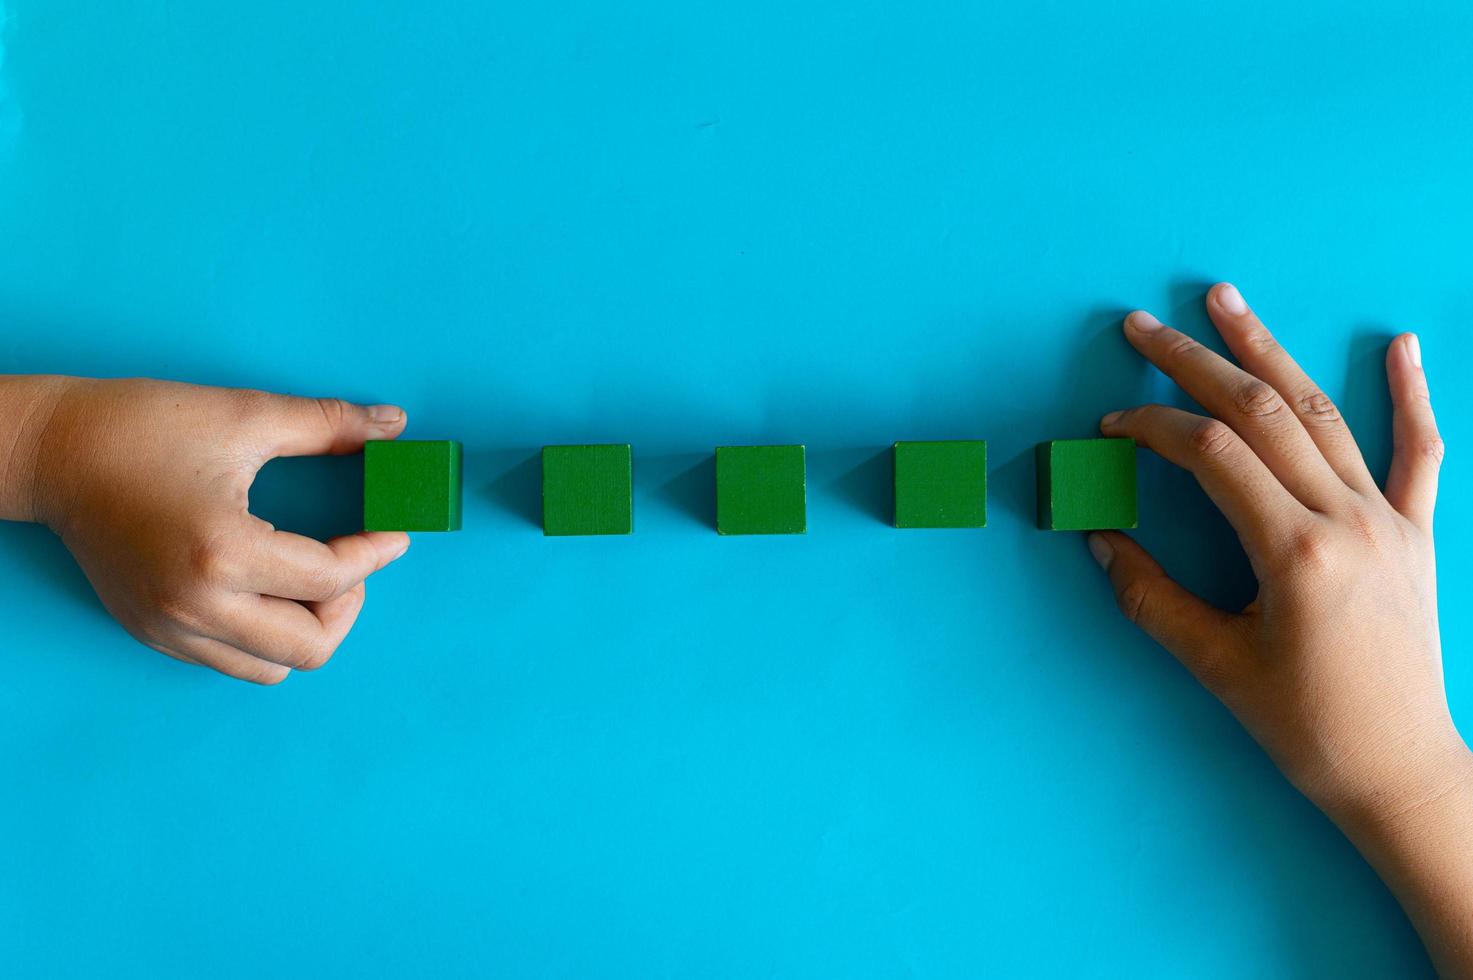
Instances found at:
x=1231 y=300
x=1414 y=350
x=1110 y=419
x=1142 y=321
x=399 y=551
x=1101 y=550
x=384 y=414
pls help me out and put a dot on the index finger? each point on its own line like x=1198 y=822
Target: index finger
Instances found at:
x=1258 y=507
x=293 y=566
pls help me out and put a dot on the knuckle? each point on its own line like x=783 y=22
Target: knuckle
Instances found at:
x=1316 y=407
x=1310 y=549
x=1261 y=342
x=208 y=562
x=333 y=410
x=1148 y=414
x=1256 y=398
x=1183 y=346
x=326 y=582
x=1432 y=449
x=314 y=654
x=1133 y=598
x=1211 y=439
x=357 y=553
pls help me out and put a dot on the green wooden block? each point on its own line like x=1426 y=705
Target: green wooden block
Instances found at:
x=411 y=485
x=587 y=490
x=1086 y=484
x=761 y=490
x=941 y=484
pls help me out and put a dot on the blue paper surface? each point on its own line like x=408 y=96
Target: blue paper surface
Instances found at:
x=860 y=752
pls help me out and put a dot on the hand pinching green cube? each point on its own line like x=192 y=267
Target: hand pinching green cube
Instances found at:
x=1086 y=484
x=761 y=490
x=941 y=484
x=587 y=490
x=411 y=485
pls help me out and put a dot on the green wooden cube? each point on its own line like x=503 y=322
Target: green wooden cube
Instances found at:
x=761 y=490
x=587 y=490
x=1086 y=484
x=941 y=484
x=411 y=485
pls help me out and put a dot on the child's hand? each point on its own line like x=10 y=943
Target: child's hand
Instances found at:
x=147 y=484
x=1335 y=668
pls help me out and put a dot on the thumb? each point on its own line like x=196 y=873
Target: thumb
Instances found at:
x=1411 y=486
x=322 y=426
x=1199 y=635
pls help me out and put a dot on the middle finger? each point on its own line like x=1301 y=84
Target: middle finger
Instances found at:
x=1249 y=405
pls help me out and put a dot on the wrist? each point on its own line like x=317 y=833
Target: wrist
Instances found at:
x=28 y=406
x=1401 y=799
x=1416 y=838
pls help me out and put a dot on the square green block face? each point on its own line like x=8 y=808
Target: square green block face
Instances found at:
x=761 y=490
x=411 y=485
x=587 y=490
x=1086 y=484
x=941 y=484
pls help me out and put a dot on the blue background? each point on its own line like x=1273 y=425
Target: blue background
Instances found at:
x=863 y=752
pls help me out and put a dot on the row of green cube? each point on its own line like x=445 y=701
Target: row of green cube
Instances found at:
x=590 y=490
x=1083 y=484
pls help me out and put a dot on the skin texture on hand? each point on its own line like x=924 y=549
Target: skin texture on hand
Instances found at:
x=147 y=484
x=1336 y=666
